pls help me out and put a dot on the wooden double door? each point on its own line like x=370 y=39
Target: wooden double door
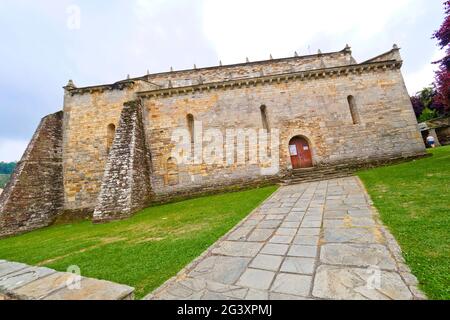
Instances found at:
x=300 y=152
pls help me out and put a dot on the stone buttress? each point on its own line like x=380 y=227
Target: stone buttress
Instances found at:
x=126 y=185
x=35 y=194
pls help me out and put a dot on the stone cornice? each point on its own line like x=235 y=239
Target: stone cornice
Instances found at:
x=278 y=78
x=101 y=88
x=71 y=89
x=345 y=51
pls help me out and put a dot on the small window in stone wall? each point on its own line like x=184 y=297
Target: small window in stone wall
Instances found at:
x=110 y=137
x=190 y=125
x=171 y=178
x=353 y=109
x=265 y=121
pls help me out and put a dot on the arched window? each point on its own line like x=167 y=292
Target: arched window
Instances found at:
x=265 y=122
x=190 y=125
x=353 y=109
x=111 y=132
x=171 y=172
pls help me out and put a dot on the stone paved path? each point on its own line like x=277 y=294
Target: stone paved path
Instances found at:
x=320 y=240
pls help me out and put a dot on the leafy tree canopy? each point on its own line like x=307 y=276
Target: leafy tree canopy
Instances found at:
x=427 y=114
x=434 y=101
x=7 y=167
x=442 y=82
x=427 y=101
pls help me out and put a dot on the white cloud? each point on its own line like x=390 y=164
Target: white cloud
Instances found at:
x=425 y=76
x=12 y=150
x=145 y=9
x=259 y=27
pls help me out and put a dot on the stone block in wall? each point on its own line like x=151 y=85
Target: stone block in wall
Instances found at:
x=35 y=194
x=126 y=184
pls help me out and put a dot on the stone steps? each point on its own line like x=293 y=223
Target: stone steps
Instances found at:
x=316 y=174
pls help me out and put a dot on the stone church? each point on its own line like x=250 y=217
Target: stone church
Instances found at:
x=108 y=153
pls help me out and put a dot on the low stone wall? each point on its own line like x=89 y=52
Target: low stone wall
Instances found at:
x=126 y=182
x=34 y=195
x=19 y=281
x=211 y=189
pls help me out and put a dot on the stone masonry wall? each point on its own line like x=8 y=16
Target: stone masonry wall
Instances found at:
x=89 y=111
x=86 y=120
x=34 y=195
x=315 y=108
x=126 y=181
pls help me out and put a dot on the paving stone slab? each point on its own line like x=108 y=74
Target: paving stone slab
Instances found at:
x=357 y=255
x=338 y=214
x=311 y=224
x=299 y=285
x=291 y=225
x=349 y=222
x=279 y=211
x=275 y=249
x=303 y=251
x=22 y=277
x=260 y=235
x=278 y=218
x=309 y=231
x=282 y=239
x=92 y=289
x=298 y=210
x=313 y=216
x=351 y=235
x=267 y=262
x=293 y=218
x=240 y=233
x=306 y=240
x=257 y=295
x=231 y=291
x=269 y=224
x=256 y=279
x=238 y=249
x=43 y=287
x=298 y=265
x=360 y=213
x=280 y=296
x=286 y=232
x=222 y=269
x=11 y=267
x=214 y=296
x=339 y=283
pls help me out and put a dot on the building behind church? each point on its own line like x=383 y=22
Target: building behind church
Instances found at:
x=109 y=152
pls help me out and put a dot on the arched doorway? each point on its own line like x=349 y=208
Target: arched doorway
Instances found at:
x=300 y=152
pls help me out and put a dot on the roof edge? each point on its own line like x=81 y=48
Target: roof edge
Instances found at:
x=361 y=67
x=346 y=50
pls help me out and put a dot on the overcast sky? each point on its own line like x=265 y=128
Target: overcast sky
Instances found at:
x=44 y=44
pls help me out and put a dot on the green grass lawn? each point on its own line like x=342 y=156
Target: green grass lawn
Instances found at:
x=143 y=251
x=414 y=202
x=3 y=180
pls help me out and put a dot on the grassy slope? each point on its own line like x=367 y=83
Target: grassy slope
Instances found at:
x=143 y=251
x=3 y=180
x=414 y=202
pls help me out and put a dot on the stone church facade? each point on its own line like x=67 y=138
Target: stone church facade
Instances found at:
x=107 y=154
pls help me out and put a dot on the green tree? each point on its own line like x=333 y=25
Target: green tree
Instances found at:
x=428 y=114
x=427 y=96
x=7 y=167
